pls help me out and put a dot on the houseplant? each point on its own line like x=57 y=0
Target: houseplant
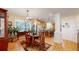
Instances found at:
x=12 y=32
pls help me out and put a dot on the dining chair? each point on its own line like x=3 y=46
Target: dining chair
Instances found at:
x=28 y=38
x=40 y=42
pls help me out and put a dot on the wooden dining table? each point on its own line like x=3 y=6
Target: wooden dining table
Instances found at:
x=32 y=39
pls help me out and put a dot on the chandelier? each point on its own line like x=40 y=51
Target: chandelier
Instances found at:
x=27 y=16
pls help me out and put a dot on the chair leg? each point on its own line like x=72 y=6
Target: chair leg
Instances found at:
x=26 y=49
x=33 y=42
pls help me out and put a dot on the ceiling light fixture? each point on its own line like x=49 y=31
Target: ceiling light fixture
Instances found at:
x=27 y=16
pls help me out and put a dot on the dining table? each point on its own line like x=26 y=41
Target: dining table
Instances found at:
x=33 y=38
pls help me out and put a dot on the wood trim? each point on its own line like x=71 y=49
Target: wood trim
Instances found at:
x=2 y=10
x=78 y=46
x=4 y=40
x=5 y=24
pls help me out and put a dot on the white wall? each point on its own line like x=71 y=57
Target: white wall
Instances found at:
x=77 y=17
x=69 y=32
x=77 y=21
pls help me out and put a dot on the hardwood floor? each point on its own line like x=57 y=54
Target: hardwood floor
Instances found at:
x=15 y=46
x=68 y=45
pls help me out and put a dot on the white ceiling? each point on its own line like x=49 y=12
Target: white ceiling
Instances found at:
x=43 y=13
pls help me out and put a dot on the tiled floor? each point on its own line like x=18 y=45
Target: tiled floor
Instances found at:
x=68 y=45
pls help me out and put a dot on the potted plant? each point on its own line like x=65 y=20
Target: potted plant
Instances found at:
x=12 y=32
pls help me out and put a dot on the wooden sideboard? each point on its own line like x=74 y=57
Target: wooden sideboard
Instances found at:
x=20 y=34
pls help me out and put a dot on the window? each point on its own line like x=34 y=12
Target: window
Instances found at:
x=22 y=25
x=49 y=26
x=1 y=27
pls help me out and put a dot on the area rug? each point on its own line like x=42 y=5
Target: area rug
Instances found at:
x=47 y=46
x=36 y=48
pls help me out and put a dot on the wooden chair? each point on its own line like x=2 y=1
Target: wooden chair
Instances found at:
x=40 y=42
x=28 y=39
x=34 y=38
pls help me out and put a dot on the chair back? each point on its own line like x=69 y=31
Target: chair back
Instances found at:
x=42 y=41
x=27 y=36
x=42 y=37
